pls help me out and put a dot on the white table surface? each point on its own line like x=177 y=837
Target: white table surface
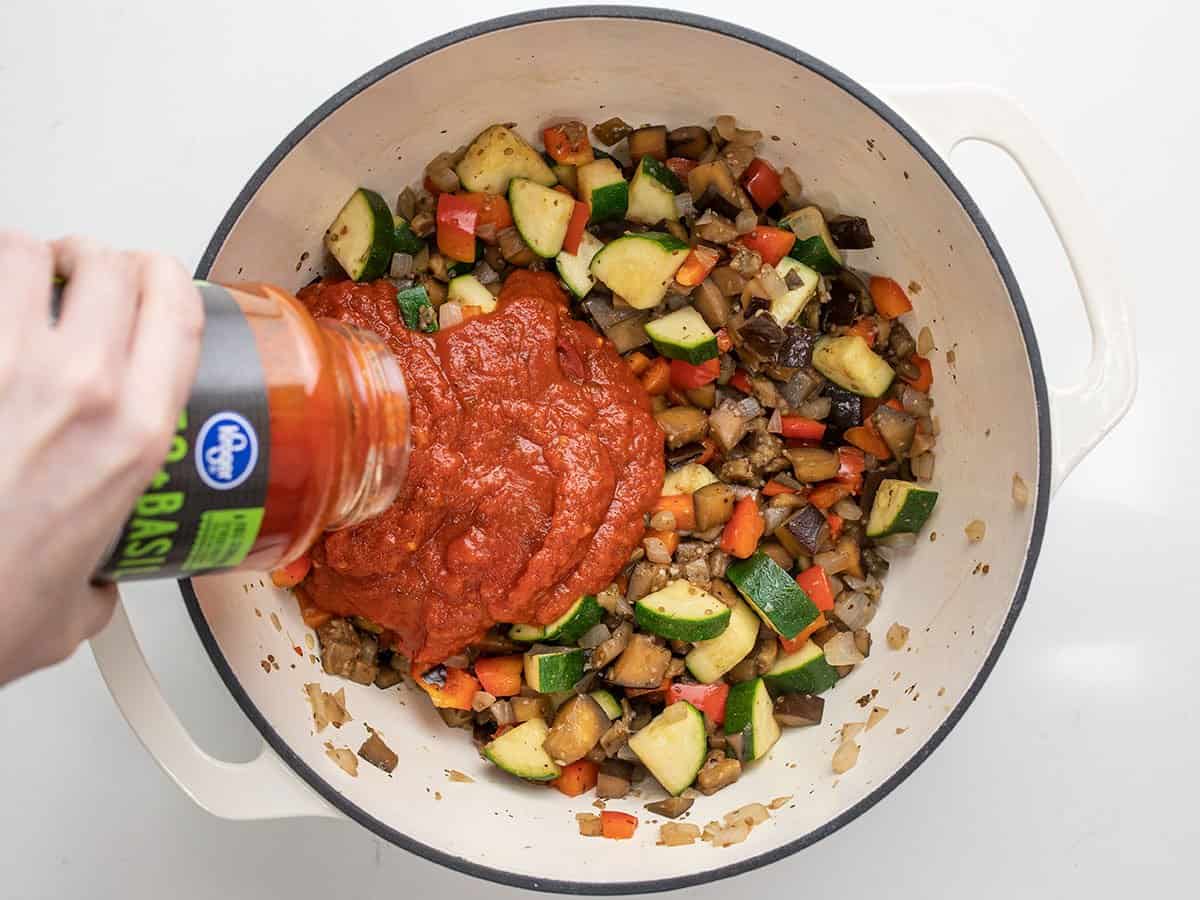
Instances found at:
x=1074 y=773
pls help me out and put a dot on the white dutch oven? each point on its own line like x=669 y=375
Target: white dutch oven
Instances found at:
x=997 y=418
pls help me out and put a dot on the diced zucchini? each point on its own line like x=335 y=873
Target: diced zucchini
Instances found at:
x=814 y=246
x=652 y=193
x=773 y=594
x=575 y=268
x=640 y=267
x=750 y=713
x=711 y=659
x=802 y=672
x=550 y=669
x=541 y=215
x=673 y=746
x=602 y=187
x=566 y=176
x=404 y=240
x=519 y=752
x=790 y=305
x=900 y=506
x=682 y=612
x=567 y=628
x=849 y=362
x=361 y=237
x=684 y=335
x=498 y=156
x=468 y=290
x=687 y=479
x=608 y=703
x=416 y=310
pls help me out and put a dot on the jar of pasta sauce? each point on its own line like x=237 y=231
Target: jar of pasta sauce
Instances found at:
x=294 y=426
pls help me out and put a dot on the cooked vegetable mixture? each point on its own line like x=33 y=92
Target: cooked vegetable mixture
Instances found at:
x=797 y=420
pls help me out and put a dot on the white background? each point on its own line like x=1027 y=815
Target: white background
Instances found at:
x=1074 y=774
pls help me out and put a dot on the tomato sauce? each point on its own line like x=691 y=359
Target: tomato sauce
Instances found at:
x=534 y=458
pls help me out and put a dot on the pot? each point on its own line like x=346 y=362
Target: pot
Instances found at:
x=854 y=153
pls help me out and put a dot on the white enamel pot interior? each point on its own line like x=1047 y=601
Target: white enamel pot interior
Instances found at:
x=854 y=155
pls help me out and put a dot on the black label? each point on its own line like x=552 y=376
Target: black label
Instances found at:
x=203 y=509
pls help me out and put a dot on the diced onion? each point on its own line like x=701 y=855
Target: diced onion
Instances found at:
x=876 y=716
x=502 y=712
x=595 y=636
x=685 y=205
x=486 y=274
x=855 y=609
x=345 y=759
x=900 y=541
x=840 y=650
x=449 y=315
x=922 y=466
x=482 y=700
x=775 y=423
x=776 y=287
x=678 y=834
x=746 y=221
x=486 y=232
x=656 y=551
x=402 y=265
x=976 y=530
x=848 y=509
x=925 y=341
x=845 y=757
x=726 y=127
x=1020 y=490
x=851 y=730
x=791 y=183
x=897 y=636
x=752 y=814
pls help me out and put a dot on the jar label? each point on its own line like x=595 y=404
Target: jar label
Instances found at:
x=203 y=509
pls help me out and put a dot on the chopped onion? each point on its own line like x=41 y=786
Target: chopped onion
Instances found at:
x=836 y=584
x=899 y=541
x=1020 y=490
x=727 y=837
x=851 y=730
x=595 y=636
x=922 y=466
x=925 y=341
x=486 y=274
x=855 y=610
x=444 y=179
x=840 y=650
x=402 y=265
x=845 y=757
x=876 y=716
x=656 y=551
x=482 y=700
x=663 y=520
x=752 y=814
x=344 y=757
x=775 y=423
x=449 y=315
x=774 y=516
x=816 y=408
x=685 y=205
x=502 y=712
x=406 y=204
x=748 y=407
x=726 y=127
x=791 y=184
x=916 y=403
x=741 y=491
x=776 y=287
x=678 y=834
x=897 y=636
x=975 y=530
x=848 y=510
x=746 y=221
x=486 y=232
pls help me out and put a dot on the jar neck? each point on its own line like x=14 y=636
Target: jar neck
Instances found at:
x=373 y=424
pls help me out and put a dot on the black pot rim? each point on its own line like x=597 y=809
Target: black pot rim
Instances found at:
x=461 y=864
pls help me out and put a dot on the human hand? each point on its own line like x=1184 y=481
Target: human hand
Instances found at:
x=87 y=410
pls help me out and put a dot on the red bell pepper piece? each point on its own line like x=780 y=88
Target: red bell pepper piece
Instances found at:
x=774 y=488
x=500 y=675
x=681 y=506
x=710 y=451
x=742 y=531
x=657 y=377
x=617 y=825
x=866 y=329
x=763 y=183
x=724 y=341
x=492 y=209
x=577 y=778
x=568 y=144
x=685 y=375
x=681 y=167
x=656 y=694
x=814 y=581
x=293 y=573
x=457 y=218
x=803 y=428
x=835 y=523
x=697 y=265
x=791 y=645
x=772 y=244
x=741 y=381
x=576 y=227
x=449 y=688
x=708 y=698
x=827 y=493
x=851 y=465
x=889 y=298
x=866 y=438
x=925 y=381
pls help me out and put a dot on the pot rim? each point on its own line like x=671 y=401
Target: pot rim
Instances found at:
x=735 y=32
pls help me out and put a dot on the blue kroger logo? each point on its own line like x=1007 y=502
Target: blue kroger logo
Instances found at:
x=226 y=451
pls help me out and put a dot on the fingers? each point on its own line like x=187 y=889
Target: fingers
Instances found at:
x=100 y=301
x=26 y=272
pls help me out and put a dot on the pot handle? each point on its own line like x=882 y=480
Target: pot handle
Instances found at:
x=1083 y=413
x=263 y=788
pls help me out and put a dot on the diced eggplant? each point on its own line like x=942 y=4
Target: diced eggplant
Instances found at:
x=797 y=348
x=713 y=199
x=714 y=505
x=846 y=407
x=763 y=335
x=896 y=428
x=388 y=677
x=347 y=653
x=526 y=708
x=713 y=306
x=728 y=281
x=842 y=308
x=378 y=754
x=682 y=425
x=796 y=710
x=718 y=772
x=778 y=552
x=642 y=665
x=766 y=651
x=812 y=464
x=689 y=141
x=615 y=779
x=624 y=326
x=800 y=386
x=684 y=455
x=850 y=233
x=704 y=397
x=714 y=173
x=724 y=592
x=672 y=807
x=649 y=141
x=871 y=482
x=738 y=471
x=616 y=737
x=823 y=635
x=715 y=228
x=613 y=647
x=728 y=425
x=578 y=726
x=808 y=528
x=900 y=341
x=611 y=130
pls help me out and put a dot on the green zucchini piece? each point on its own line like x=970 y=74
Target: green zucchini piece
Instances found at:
x=683 y=334
x=652 y=193
x=361 y=237
x=773 y=594
x=416 y=310
x=673 y=746
x=802 y=672
x=640 y=267
x=850 y=363
x=711 y=659
x=814 y=246
x=566 y=176
x=899 y=506
x=575 y=268
x=602 y=186
x=567 y=628
x=467 y=290
x=550 y=669
x=750 y=712
x=498 y=156
x=682 y=612
x=541 y=215
x=790 y=305
x=608 y=703
x=404 y=239
x=519 y=752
